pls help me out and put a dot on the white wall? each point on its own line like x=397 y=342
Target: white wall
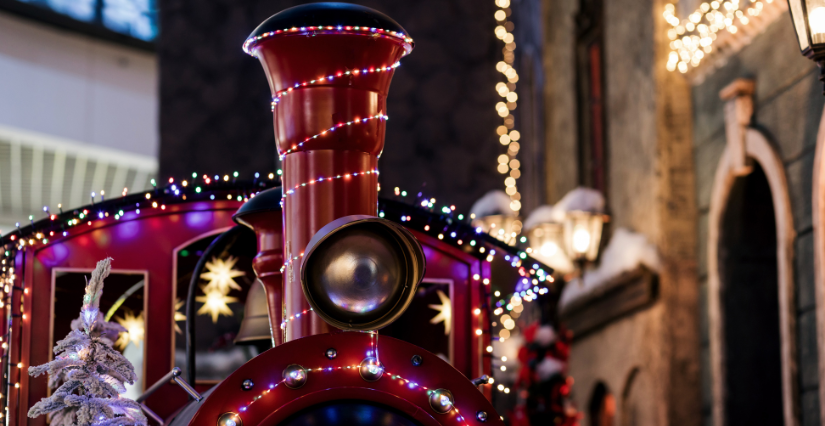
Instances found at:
x=96 y=100
x=76 y=87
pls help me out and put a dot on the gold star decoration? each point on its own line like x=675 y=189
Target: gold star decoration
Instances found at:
x=445 y=312
x=221 y=274
x=215 y=303
x=134 y=330
x=179 y=316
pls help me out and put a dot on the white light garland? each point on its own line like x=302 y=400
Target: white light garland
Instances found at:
x=507 y=163
x=692 y=39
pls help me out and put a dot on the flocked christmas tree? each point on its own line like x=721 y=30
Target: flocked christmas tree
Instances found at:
x=91 y=371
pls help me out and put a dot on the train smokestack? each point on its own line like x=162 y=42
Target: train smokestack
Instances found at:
x=329 y=67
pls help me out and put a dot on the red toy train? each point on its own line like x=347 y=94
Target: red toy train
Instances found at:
x=336 y=263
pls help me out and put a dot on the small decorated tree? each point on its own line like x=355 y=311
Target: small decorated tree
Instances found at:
x=91 y=371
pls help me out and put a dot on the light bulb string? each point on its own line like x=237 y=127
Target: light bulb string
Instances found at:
x=356 y=120
x=326 y=79
x=392 y=376
x=324 y=29
x=325 y=179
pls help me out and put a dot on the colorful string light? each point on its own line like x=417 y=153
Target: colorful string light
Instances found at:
x=324 y=79
x=294 y=317
x=294 y=148
x=328 y=179
x=328 y=29
x=391 y=376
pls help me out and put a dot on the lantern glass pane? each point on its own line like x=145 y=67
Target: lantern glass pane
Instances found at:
x=816 y=20
x=595 y=225
x=578 y=236
x=798 y=17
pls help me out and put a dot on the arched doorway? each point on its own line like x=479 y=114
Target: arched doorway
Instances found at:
x=602 y=407
x=751 y=290
x=748 y=273
x=819 y=253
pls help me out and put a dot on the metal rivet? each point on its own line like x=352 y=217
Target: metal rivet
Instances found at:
x=295 y=376
x=371 y=369
x=247 y=384
x=416 y=360
x=331 y=353
x=481 y=416
x=229 y=419
x=441 y=400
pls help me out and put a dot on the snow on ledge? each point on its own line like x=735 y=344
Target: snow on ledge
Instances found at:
x=492 y=203
x=626 y=251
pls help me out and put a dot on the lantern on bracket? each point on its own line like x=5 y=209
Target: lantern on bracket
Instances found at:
x=808 y=18
x=583 y=234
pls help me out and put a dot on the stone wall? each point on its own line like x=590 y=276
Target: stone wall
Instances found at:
x=441 y=136
x=788 y=105
x=649 y=358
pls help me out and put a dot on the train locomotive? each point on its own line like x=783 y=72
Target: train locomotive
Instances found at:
x=334 y=262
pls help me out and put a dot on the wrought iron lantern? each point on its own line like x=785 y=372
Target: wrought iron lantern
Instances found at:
x=583 y=234
x=546 y=239
x=808 y=18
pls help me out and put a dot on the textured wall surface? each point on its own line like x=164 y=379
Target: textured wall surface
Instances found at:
x=77 y=88
x=648 y=359
x=787 y=108
x=441 y=136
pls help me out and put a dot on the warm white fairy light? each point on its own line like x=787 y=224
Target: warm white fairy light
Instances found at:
x=508 y=136
x=692 y=38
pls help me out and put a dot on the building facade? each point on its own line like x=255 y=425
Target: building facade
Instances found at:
x=716 y=161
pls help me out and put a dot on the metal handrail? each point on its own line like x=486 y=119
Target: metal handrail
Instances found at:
x=172 y=375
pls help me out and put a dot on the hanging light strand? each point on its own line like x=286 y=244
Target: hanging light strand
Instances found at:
x=508 y=164
x=692 y=38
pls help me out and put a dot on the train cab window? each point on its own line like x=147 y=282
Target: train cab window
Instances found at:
x=429 y=319
x=220 y=307
x=122 y=302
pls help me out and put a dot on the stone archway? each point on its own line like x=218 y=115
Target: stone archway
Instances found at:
x=755 y=148
x=818 y=198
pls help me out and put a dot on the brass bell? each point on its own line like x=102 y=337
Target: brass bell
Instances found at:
x=254 y=328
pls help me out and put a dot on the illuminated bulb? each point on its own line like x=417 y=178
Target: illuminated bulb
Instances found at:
x=549 y=249
x=497 y=293
x=506 y=390
x=19 y=365
x=489 y=349
x=816 y=19
x=476 y=311
x=500 y=387
x=581 y=239
x=503 y=368
x=504 y=359
x=478 y=332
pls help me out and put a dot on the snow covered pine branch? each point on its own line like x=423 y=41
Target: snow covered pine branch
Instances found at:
x=91 y=371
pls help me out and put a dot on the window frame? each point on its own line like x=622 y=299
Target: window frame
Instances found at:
x=96 y=30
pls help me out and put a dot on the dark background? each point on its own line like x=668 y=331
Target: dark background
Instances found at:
x=441 y=136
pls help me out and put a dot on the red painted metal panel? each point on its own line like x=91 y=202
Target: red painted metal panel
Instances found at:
x=137 y=242
x=402 y=385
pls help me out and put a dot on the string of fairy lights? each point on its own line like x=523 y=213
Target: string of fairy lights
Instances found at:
x=692 y=38
x=340 y=29
x=508 y=164
x=356 y=120
x=326 y=79
x=442 y=222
